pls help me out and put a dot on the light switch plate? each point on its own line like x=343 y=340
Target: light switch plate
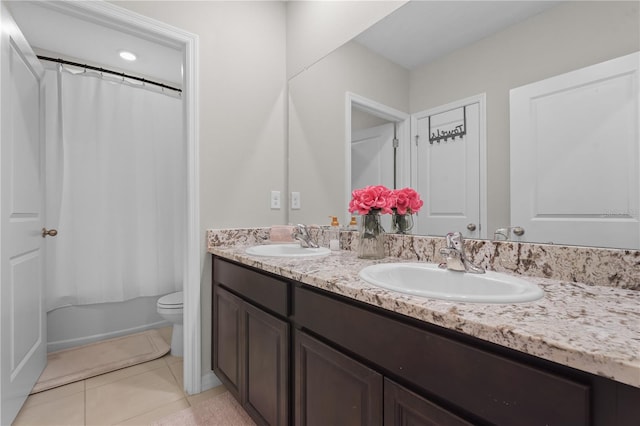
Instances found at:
x=275 y=199
x=295 y=200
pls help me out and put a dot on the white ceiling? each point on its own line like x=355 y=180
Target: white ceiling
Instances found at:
x=421 y=31
x=48 y=28
x=415 y=34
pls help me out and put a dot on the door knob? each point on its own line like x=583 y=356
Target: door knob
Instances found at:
x=471 y=227
x=49 y=232
x=518 y=230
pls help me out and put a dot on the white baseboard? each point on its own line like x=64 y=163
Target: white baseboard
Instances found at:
x=85 y=340
x=210 y=381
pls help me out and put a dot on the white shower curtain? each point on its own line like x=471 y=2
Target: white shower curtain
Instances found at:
x=116 y=191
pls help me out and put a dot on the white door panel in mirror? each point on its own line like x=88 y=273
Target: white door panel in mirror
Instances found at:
x=575 y=158
x=448 y=171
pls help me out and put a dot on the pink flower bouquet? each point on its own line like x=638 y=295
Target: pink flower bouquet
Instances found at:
x=406 y=200
x=371 y=198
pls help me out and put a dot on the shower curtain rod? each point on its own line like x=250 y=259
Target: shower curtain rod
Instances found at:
x=121 y=74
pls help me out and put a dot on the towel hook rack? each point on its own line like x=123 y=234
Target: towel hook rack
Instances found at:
x=458 y=131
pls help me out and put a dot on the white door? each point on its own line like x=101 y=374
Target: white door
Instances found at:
x=447 y=173
x=23 y=337
x=575 y=156
x=372 y=161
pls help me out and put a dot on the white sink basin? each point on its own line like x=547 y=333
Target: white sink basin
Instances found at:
x=287 y=250
x=428 y=280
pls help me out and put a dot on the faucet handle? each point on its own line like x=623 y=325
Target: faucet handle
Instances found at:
x=455 y=241
x=301 y=233
x=301 y=229
x=453 y=259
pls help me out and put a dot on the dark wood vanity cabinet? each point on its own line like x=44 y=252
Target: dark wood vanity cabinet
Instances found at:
x=294 y=354
x=332 y=388
x=251 y=343
x=493 y=389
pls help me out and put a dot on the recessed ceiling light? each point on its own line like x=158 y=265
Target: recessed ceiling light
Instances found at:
x=127 y=56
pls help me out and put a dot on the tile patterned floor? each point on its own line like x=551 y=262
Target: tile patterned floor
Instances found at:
x=137 y=395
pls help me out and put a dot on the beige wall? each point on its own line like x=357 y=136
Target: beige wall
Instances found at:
x=317 y=124
x=242 y=115
x=565 y=38
x=316 y=28
x=243 y=100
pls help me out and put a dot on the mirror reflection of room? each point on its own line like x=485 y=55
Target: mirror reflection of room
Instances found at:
x=519 y=44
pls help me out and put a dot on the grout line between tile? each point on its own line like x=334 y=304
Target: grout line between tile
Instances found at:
x=84 y=405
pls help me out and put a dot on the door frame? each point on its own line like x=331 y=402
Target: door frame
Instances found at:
x=134 y=23
x=480 y=99
x=385 y=112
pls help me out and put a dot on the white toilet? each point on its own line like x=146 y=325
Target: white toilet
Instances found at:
x=170 y=308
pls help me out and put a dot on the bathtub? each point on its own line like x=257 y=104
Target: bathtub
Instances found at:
x=72 y=326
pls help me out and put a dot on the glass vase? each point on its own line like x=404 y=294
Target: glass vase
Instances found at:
x=371 y=241
x=401 y=223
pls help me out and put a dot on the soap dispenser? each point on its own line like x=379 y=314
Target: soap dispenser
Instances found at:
x=334 y=234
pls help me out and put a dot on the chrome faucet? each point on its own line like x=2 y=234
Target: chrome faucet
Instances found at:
x=455 y=259
x=301 y=234
x=504 y=234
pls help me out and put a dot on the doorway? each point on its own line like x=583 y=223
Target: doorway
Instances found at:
x=124 y=20
x=376 y=146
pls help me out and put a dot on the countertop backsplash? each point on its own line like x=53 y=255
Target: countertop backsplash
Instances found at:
x=589 y=265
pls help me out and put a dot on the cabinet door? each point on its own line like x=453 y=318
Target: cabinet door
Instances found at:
x=267 y=378
x=228 y=337
x=333 y=389
x=405 y=408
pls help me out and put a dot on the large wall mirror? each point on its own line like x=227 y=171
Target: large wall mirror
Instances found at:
x=429 y=54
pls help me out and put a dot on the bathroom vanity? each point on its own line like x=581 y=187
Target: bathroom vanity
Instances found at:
x=306 y=342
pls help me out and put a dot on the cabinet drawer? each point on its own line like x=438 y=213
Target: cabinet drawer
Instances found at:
x=261 y=289
x=495 y=388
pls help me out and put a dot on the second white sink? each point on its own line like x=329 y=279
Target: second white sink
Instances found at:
x=287 y=250
x=428 y=280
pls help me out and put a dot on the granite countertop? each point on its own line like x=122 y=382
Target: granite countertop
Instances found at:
x=591 y=328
